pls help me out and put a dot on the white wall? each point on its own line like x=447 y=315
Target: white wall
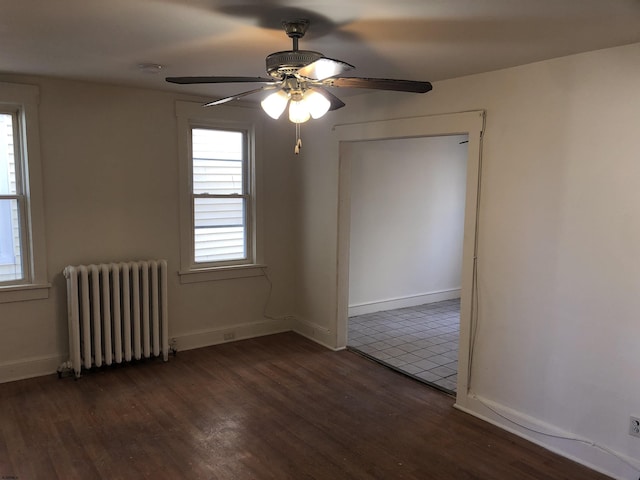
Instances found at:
x=559 y=231
x=110 y=168
x=407 y=219
x=559 y=270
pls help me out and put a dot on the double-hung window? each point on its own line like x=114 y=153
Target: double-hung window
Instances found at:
x=219 y=235
x=221 y=197
x=12 y=202
x=22 y=263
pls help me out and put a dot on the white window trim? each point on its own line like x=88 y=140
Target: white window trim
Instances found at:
x=35 y=286
x=190 y=114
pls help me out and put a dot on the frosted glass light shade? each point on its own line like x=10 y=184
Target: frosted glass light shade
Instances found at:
x=299 y=111
x=317 y=103
x=275 y=104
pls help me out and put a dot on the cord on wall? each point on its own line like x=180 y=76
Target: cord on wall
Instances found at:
x=553 y=435
x=475 y=301
x=268 y=299
x=475 y=305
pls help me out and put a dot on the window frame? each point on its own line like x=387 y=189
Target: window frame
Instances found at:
x=22 y=101
x=243 y=119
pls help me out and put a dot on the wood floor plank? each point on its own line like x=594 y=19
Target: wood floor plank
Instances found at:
x=272 y=408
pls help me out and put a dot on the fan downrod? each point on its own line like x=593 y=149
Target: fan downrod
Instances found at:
x=295 y=29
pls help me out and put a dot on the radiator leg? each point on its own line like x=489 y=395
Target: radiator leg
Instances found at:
x=66 y=368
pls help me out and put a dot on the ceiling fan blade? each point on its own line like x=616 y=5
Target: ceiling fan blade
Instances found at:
x=193 y=80
x=336 y=103
x=237 y=96
x=379 y=84
x=324 y=68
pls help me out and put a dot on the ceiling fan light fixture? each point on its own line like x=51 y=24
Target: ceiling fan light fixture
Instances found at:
x=316 y=103
x=275 y=104
x=301 y=78
x=299 y=111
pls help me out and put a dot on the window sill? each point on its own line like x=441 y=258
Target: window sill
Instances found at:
x=221 y=273
x=23 y=293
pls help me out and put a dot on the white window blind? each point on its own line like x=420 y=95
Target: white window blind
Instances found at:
x=11 y=203
x=220 y=195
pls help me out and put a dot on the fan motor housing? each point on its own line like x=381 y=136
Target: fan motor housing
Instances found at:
x=289 y=61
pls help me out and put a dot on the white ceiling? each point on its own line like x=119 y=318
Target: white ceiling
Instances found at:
x=105 y=40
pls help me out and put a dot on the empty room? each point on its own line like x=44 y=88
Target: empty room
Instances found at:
x=181 y=258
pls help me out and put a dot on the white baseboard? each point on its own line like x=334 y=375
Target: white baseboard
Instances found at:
x=215 y=336
x=205 y=338
x=402 y=302
x=573 y=447
x=39 y=366
x=30 y=367
x=314 y=332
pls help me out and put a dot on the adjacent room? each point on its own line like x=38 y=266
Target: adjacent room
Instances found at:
x=405 y=253
x=196 y=275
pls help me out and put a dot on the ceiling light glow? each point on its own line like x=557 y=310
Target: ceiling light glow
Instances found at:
x=317 y=103
x=298 y=111
x=275 y=104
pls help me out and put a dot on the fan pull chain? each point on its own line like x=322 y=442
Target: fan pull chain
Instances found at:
x=298 y=146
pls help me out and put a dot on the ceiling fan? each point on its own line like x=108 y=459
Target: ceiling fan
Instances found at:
x=300 y=78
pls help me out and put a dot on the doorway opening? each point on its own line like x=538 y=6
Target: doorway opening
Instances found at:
x=405 y=258
x=465 y=123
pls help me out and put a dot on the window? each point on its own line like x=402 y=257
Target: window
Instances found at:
x=218 y=207
x=12 y=200
x=220 y=195
x=22 y=263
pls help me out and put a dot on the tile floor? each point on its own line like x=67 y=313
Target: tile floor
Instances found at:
x=420 y=341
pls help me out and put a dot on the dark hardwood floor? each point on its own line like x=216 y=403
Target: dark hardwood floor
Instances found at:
x=277 y=407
